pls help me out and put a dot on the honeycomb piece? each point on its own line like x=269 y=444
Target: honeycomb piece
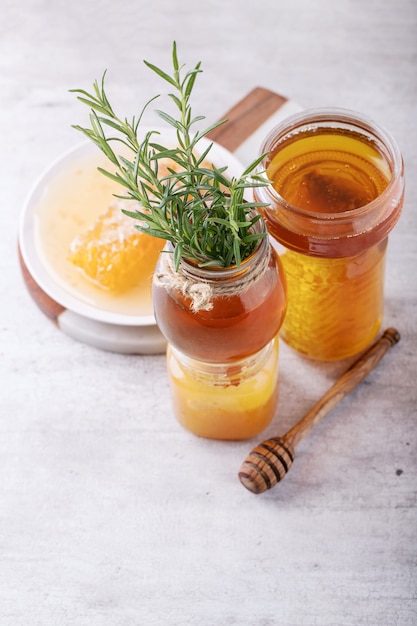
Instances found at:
x=113 y=254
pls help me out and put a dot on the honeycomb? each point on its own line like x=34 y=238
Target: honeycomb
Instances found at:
x=113 y=254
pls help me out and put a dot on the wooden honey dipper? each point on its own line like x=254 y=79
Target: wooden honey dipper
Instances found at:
x=270 y=461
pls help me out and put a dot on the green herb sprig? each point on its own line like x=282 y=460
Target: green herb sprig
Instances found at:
x=197 y=207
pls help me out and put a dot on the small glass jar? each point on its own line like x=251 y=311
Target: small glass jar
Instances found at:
x=219 y=315
x=337 y=191
x=228 y=401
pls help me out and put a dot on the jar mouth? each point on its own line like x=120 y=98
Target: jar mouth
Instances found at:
x=337 y=119
x=214 y=272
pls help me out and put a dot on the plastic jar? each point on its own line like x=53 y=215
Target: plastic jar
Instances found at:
x=337 y=191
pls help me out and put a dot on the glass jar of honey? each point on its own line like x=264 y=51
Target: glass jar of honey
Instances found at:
x=234 y=400
x=337 y=190
x=222 y=328
x=218 y=314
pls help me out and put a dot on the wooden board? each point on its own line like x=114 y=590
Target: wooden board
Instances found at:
x=246 y=117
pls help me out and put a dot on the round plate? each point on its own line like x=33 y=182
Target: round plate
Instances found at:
x=98 y=325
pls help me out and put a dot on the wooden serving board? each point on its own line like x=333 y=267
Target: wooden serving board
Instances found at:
x=249 y=121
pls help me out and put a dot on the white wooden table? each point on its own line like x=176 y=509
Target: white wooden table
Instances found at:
x=110 y=513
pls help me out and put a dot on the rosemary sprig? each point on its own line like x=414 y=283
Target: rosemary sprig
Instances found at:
x=197 y=207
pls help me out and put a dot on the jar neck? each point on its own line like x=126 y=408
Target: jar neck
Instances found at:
x=225 y=374
x=333 y=233
x=248 y=268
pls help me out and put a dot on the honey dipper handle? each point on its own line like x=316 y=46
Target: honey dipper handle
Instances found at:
x=348 y=381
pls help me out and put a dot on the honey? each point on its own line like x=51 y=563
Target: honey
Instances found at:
x=338 y=303
x=75 y=199
x=336 y=193
x=244 y=313
x=113 y=254
x=220 y=401
x=328 y=172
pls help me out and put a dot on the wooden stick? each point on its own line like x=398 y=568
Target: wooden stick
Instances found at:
x=270 y=461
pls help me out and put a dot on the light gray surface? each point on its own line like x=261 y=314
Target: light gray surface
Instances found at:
x=110 y=513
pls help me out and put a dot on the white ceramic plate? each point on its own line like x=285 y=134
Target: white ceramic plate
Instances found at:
x=85 y=320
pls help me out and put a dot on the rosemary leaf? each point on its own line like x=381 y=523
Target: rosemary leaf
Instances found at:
x=196 y=206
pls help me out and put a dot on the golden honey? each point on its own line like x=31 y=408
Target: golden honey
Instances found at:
x=328 y=171
x=113 y=254
x=245 y=311
x=71 y=206
x=224 y=401
x=338 y=303
x=337 y=191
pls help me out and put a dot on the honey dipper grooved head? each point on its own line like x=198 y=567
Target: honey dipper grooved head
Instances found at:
x=266 y=465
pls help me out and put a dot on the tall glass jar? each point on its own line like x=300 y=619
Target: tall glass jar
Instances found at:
x=337 y=191
x=221 y=326
x=216 y=314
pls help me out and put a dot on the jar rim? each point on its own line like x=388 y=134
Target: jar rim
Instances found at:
x=336 y=116
x=221 y=273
